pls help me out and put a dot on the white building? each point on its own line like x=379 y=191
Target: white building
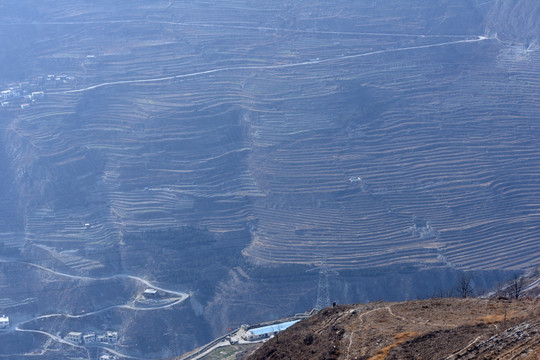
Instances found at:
x=266 y=331
x=111 y=336
x=8 y=94
x=150 y=293
x=75 y=337
x=4 y=322
x=89 y=338
x=107 y=357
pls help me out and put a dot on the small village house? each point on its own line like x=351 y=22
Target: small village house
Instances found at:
x=4 y=322
x=75 y=337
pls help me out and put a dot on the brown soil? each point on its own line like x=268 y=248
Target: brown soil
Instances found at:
x=430 y=329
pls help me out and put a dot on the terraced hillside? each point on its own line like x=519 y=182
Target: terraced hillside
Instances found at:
x=334 y=142
x=292 y=133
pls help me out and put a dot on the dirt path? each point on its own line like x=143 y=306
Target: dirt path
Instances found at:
x=180 y=297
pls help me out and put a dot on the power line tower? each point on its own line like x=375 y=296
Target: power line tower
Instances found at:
x=323 y=291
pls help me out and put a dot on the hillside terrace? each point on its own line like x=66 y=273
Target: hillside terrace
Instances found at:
x=257 y=139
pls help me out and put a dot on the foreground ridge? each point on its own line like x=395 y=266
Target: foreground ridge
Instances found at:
x=428 y=329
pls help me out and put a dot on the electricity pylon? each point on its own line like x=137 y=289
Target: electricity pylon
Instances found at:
x=323 y=290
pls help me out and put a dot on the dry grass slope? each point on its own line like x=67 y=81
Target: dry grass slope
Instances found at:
x=430 y=329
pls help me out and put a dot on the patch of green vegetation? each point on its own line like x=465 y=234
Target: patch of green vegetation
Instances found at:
x=223 y=353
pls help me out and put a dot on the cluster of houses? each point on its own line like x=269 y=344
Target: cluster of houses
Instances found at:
x=76 y=337
x=62 y=78
x=8 y=94
x=12 y=93
x=4 y=322
x=20 y=95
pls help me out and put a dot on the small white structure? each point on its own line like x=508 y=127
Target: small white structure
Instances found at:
x=150 y=293
x=111 y=336
x=4 y=322
x=75 y=337
x=89 y=338
x=25 y=106
x=107 y=357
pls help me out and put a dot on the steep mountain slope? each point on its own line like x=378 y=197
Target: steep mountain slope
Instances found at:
x=264 y=156
x=515 y=20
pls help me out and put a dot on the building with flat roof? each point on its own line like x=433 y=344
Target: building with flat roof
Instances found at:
x=150 y=293
x=89 y=338
x=111 y=336
x=4 y=322
x=75 y=337
x=266 y=331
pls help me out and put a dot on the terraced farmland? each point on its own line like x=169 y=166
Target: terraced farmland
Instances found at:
x=221 y=122
x=457 y=159
x=366 y=135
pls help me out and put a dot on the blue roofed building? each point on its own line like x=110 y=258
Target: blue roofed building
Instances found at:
x=266 y=331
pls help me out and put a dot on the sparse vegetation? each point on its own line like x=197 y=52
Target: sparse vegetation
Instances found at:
x=465 y=285
x=428 y=329
x=210 y=146
x=516 y=286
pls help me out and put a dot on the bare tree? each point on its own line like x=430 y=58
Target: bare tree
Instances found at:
x=516 y=286
x=465 y=285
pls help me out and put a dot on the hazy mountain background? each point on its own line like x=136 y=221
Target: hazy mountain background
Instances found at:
x=264 y=157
